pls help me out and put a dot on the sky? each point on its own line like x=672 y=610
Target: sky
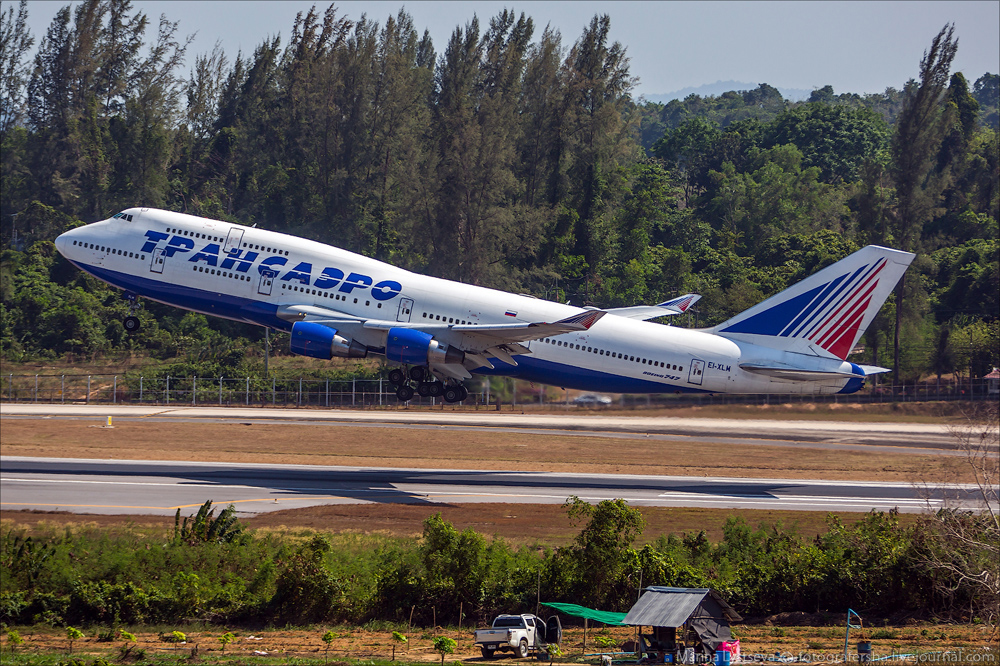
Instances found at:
x=861 y=47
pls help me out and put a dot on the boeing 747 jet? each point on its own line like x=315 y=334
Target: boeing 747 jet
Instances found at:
x=436 y=333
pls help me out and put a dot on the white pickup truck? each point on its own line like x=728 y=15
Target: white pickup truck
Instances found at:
x=520 y=634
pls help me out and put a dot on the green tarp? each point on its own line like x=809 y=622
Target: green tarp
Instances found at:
x=606 y=617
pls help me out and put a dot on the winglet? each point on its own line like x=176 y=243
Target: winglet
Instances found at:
x=584 y=320
x=681 y=303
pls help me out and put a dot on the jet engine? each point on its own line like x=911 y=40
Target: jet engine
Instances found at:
x=319 y=341
x=412 y=347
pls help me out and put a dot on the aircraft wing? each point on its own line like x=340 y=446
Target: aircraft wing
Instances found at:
x=674 y=306
x=481 y=341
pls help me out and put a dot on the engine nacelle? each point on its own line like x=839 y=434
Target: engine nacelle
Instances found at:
x=412 y=347
x=319 y=341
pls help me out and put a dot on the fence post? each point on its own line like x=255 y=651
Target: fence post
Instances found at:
x=62 y=390
x=274 y=397
x=220 y=390
x=379 y=391
x=88 y=389
x=166 y=394
x=194 y=391
x=36 y=389
x=140 y=389
x=328 y=393
x=300 y=392
x=114 y=391
x=353 y=379
x=248 y=391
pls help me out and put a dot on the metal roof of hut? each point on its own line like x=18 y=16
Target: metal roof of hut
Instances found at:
x=672 y=606
x=700 y=608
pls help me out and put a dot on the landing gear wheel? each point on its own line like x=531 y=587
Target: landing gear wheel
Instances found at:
x=404 y=393
x=424 y=389
x=132 y=324
x=522 y=649
x=452 y=393
x=397 y=376
x=418 y=373
x=435 y=389
x=487 y=654
x=465 y=392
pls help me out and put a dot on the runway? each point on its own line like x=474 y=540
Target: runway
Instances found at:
x=916 y=438
x=160 y=488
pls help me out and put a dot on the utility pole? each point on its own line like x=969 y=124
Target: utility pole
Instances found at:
x=267 y=348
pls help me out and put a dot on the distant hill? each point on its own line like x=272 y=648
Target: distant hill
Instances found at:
x=719 y=87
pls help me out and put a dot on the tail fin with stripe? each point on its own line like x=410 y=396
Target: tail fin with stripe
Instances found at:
x=826 y=313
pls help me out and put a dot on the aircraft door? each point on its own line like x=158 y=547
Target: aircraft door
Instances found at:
x=233 y=240
x=405 y=305
x=266 y=282
x=159 y=258
x=697 y=371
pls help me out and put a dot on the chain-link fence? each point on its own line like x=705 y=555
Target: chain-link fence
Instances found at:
x=367 y=393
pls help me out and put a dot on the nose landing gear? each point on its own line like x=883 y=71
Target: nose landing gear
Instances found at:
x=427 y=386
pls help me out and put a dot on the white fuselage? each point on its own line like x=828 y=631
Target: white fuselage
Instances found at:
x=247 y=274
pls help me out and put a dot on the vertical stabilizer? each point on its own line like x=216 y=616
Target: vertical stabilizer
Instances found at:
x=826 y=313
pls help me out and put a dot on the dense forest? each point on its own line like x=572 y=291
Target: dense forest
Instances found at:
x=509 y=157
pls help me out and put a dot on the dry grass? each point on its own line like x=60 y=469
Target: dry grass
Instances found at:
x=520 y=524
x=336 y=444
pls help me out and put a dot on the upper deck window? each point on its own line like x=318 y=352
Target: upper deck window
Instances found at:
x=122 y=216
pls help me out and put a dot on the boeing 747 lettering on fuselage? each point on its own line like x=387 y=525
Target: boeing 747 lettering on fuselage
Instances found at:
x=437 y=333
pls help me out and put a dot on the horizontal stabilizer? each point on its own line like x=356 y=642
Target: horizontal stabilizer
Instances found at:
x=797 y=374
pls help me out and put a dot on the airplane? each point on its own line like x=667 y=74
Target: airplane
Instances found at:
x=436 y=333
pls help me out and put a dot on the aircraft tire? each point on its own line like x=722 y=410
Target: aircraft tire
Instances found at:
x=465 y=392
x=424 y=389
x=132 y=324
x=452 y=394
x=404 y=393
x=418 y=373
x=397 y=376
x=435 y=388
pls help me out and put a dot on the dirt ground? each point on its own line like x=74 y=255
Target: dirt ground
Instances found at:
x=825 y=643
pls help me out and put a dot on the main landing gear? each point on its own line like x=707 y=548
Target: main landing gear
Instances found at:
x=427 y=386
x=131 y=322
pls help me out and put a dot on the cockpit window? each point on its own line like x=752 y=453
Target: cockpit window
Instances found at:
x=122 y=216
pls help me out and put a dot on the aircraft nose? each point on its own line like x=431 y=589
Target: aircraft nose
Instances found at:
x=63 y=242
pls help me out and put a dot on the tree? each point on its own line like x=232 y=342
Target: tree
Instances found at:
x=444 y=645
x=14 y=640
x=397 y=638
x=73 y=634
x=15 y=43
x=915 y=147
x=597 y=91
x=602 y=544
x=328 y=638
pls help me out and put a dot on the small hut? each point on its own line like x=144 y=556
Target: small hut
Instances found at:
x=682 y=618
